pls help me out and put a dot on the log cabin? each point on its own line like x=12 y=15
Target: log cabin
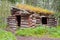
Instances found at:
x=23 y=15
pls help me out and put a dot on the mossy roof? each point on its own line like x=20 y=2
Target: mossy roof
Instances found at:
x=34 y=9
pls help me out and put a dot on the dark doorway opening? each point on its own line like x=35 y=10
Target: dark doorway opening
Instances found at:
x=18 y=18
x=44 y=20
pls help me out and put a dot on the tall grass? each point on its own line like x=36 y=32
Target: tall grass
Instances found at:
x=4 y=13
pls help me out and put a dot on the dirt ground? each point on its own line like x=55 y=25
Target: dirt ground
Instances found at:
x=35 y=38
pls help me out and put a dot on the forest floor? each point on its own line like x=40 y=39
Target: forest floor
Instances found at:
x=36 y=38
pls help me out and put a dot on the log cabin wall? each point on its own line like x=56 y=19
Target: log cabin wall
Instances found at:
x=24 y=21
x=29 y=19
x=51 y=21
x=24 y=16
x=12 y=20
x=32 y=21
x=38 y=18
x=12 y=23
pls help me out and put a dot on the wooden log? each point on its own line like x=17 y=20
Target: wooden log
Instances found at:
x=24 y=25
x=52 y=22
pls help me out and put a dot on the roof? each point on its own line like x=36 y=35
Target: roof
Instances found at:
x=34 y=9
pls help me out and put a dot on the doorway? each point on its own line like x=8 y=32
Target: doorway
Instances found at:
x=18 y=18
x=44 y=20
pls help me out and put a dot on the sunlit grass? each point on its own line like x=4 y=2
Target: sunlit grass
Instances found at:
x=31 y=31
x=40 y=31
x=4 y=35
x=54 y=32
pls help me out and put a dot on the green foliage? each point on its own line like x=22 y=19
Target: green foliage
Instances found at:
x=14 y=1
x=6 y=35
x=57 y=14
x=40 y=31
x=31 y=31
x=3 y=25
x=54 y=32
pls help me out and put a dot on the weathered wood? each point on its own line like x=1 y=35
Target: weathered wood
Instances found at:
x=38 y=21
x=12 y=23
x=28 y=19
x=52 y=22
x=24 y=26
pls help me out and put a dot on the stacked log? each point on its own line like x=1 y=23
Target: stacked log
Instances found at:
x=12 y=23
x=32 y=22
x=38 y=20
x=24 y=22
x=52 y=22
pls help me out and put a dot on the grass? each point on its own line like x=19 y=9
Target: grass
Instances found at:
x=54 y=32
x=40 y=31
x=6 y=35
x=31 y=31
